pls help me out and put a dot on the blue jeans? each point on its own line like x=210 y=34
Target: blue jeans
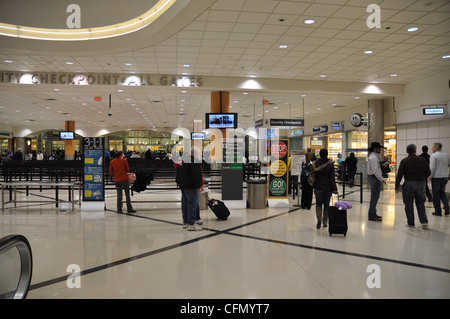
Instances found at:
x=438 y=189
x=189 y=205
x=375 y=189
x=414 y=191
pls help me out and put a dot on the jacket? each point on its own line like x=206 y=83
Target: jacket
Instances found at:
x=189 y=175
x=325 y=178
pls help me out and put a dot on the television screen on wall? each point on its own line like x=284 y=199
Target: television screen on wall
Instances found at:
x=67 y=135
x=221 y=120
x=197 y=136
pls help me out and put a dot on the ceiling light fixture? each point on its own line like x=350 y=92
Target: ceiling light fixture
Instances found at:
x=283 y=46
x=446 y=56
x=368 y=52
x=412 y=29
x=309 y=21
x=84 y=34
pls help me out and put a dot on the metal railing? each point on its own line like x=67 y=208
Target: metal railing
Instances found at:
x=20 y=288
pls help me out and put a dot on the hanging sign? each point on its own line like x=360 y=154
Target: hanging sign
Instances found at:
x=278 y=171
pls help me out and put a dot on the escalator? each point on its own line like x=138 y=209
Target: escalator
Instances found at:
x=16 y=267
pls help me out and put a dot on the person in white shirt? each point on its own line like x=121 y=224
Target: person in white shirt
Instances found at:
x=439 y=164
x=40 y=156
x=374 y=178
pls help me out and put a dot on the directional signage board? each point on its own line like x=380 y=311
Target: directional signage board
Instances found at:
x=278 y=171
x=93 y=171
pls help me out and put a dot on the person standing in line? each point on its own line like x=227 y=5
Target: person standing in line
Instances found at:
x=324 y=186
x=190 y=180
x=375 y=179
x=118 y=169
x=307 y=190
x=350 y=167
x=415 y=170
x=439 y=164
x=39 y=156
x=426 y=156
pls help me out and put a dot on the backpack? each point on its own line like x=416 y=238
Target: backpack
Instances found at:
x=312 y=175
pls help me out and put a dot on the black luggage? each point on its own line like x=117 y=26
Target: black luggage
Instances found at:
x=218 y=207
x=337 y=221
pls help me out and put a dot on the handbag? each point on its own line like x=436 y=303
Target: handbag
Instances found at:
x=312 y=175
x=131 y=178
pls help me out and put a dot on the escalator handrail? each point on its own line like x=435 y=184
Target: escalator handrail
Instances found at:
x=26 y=261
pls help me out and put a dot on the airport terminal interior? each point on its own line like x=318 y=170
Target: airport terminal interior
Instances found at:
x=254 y=85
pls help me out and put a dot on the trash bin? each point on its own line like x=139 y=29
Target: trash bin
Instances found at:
x=256 y=193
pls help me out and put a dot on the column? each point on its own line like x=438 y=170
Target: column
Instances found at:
x=220 y=103
x=376 y=122
x=69 y=148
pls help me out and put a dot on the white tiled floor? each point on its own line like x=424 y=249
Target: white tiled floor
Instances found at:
x=268 y=253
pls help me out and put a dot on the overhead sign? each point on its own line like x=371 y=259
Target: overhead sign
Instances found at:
x=434 y=111
x=320 y=129
x=17 y=77
x=287 y=122
x=278 y=171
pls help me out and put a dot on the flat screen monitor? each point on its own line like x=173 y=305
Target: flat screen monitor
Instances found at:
x=434 y=111
x=221 y=120
x=67 y=135
x=197 y=136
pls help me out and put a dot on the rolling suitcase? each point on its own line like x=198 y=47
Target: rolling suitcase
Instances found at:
x=218 y=207
x=337 y=219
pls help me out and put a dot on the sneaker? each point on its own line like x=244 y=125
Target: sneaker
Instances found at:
x=408 y=225
x=185 y=225
x=425 y=226
x=199 y=222
x=194 y=228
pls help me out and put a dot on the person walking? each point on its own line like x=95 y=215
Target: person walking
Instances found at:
x=324 y=186
x=190 y=180
x=350 y=167
x=426 y=156
x=307 y=190
x=439 y=164
x=375 y=179
x=415 y=170
x=119 y=169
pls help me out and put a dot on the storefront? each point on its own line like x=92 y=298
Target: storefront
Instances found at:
x=140 y=141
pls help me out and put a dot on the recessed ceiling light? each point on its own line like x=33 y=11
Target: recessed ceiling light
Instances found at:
x=283 y=46
x=119 y=90
x=357 y=97
x=186 y=65
x=245 y=93
x=69 y=63
x=303 y=95
x=412 y=29
x=368 y=52
x=394 y=74
x=128 y=64
x=446 y=56
x=323 y=76
x=309 y=21
x=8 y=61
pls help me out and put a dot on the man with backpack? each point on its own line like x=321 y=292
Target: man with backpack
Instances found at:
x=189 y=179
